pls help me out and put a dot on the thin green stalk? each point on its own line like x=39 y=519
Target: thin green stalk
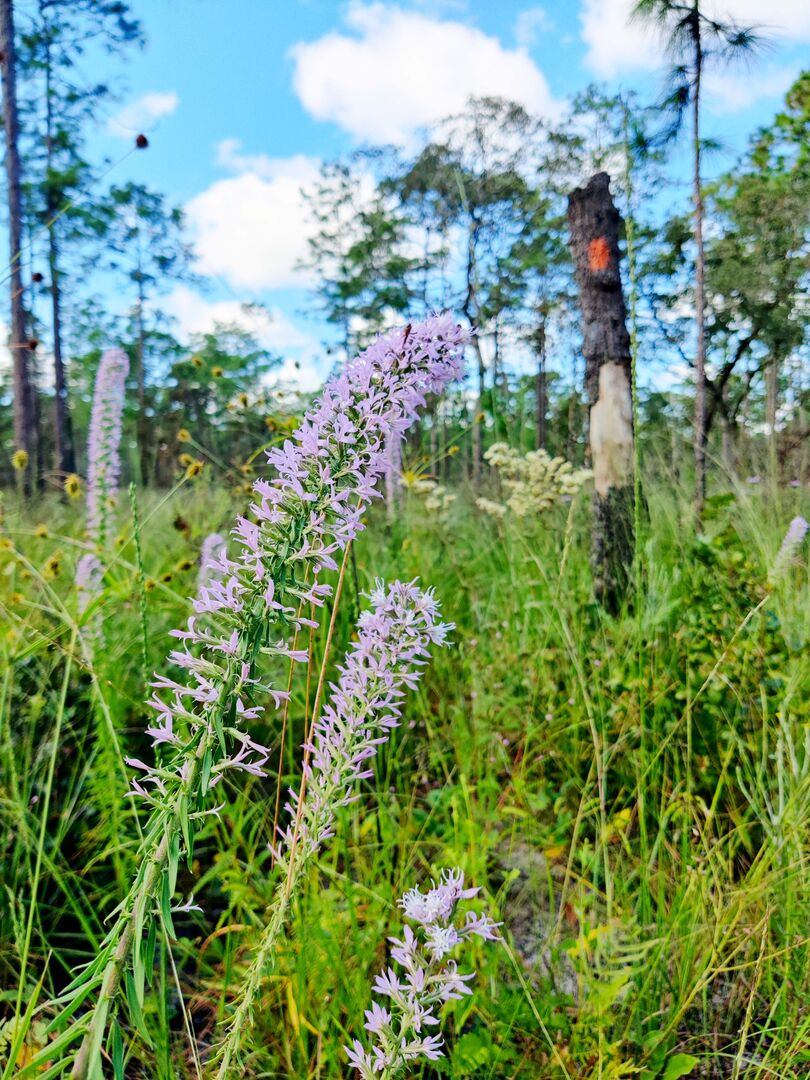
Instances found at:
x=46 y=804
x=638 y=546
x=136 y=532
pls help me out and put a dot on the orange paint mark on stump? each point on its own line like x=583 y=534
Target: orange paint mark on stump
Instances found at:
x=598 y=254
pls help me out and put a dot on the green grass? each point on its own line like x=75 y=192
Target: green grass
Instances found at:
x=633 y=795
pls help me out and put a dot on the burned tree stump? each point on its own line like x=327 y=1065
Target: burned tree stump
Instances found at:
x=594 y=240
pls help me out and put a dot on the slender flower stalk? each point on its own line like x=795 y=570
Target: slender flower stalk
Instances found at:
x=103 y=465
x=393 y=643
x=400 y=1030
x=326 y=476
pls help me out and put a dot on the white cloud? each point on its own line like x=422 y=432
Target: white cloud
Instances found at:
x=395 y=71
x=230 y=156
x=252 y=228
x=143 y=114
x=617 y=44
x=197 y=315
x=729 y=92
x=785 y=19
x=302 y=361
x=530 y=24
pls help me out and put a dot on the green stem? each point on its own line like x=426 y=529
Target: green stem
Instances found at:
x=136 y=532
x=46 y=803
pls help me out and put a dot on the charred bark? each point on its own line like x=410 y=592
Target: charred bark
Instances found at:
x=594 y=225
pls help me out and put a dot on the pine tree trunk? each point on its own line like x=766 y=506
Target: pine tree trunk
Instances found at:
x=700 y=289
x=728 y=448
x=540 y=387
x=472 y=313
x=771 y=409
x=64 y=450
x=478 y=419
x=25 y=425
x=594 y=239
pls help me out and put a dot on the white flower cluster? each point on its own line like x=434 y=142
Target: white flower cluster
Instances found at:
x=438 y=499
x=535 y=481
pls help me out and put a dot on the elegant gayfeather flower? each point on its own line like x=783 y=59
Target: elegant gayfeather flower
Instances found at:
x=104 y=439
x=299 y=521
x=326 y=475
x=400 y=1030
x=103 y=467
x=794 y=538
x=393 y=643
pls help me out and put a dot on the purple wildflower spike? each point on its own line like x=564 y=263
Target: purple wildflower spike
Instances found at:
x=299 y=521
x=400 y=1030
x=393 y=643
x=103 y=467
x=104 y=440
x=794 y=538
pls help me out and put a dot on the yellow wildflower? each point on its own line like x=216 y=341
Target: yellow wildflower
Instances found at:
x=52 y=566
x=73 y=486
x=184 y=435
x=19 y=459
x=194 y=469
x=41 y=531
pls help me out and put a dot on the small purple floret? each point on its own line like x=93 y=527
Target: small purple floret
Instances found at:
x=400 y=1030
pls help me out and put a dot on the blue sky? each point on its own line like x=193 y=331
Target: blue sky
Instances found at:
x=242 y=99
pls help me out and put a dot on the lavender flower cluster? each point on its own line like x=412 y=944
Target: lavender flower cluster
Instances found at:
x=104 y=439
x=393 y=643
x=401 y=1029
x=103 y=464
x=326 y=477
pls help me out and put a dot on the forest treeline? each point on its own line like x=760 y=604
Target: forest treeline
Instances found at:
x=472 y=220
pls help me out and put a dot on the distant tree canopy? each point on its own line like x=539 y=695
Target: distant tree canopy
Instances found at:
x=474 y=219
x=471 y=219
